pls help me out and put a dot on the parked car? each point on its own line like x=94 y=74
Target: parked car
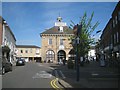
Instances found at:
x=6 y=66
x=20 y=62
x=0 y=65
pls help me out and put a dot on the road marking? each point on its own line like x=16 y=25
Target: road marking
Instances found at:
x=42 y=74
x=63 y=76
x=51 y=68
x=46 y=66
x=53 y=84
x=94 y=74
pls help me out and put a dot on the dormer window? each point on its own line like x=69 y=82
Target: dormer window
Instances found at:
x=61 y=29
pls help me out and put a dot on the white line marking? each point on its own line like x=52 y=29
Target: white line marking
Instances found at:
x=94 y=74
x=42 y=74
x=51 y=68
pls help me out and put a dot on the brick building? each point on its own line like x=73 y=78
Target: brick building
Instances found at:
x=0 y=30
x=55 y=42
x=110 y=38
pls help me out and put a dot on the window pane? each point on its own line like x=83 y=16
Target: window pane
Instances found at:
x=26 y=51
x=21 y=51
x=50 y=41
x=61 y=41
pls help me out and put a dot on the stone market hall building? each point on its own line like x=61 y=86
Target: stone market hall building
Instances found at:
x=55 y=42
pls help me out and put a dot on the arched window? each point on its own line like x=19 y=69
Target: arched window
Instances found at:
x=61 y=55
x=50 y=55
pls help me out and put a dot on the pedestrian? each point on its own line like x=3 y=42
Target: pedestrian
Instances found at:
x=63 y=61
x=60 y=60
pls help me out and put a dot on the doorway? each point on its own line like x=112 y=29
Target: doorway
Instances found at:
x=61 y=55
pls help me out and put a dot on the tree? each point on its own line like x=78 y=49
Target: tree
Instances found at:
x=86 y=31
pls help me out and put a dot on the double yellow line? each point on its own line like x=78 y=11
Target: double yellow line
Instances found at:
x=53 y=84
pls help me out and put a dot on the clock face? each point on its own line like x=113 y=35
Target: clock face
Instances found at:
x=61 y=47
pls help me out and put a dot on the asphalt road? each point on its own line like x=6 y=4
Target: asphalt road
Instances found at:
x=32 y=75
x=43 y=75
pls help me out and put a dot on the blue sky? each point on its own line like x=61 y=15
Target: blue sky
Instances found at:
x=28 y=19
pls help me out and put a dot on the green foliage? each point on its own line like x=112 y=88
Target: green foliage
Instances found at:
x=86 y=31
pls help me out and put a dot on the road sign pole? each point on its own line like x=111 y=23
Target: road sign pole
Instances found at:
x=77 y=60
x=77 y=31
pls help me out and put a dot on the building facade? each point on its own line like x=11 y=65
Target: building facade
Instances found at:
x=55 y=42
x=110 y=38
x=8 y=42
x=0 y=30
x=29 y=52
x=92 y=53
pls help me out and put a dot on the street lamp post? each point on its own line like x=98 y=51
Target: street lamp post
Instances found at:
x=77 y=59
x=77 y=32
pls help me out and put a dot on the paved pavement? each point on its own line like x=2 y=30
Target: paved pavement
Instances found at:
x=91 y=76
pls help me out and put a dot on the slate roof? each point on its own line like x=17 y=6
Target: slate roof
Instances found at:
x=2 y=21
x=27 y=46
x=55 y=30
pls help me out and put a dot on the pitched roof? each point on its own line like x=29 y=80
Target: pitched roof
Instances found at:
x=27 y=46
x=2 y=21
x=55 y=30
